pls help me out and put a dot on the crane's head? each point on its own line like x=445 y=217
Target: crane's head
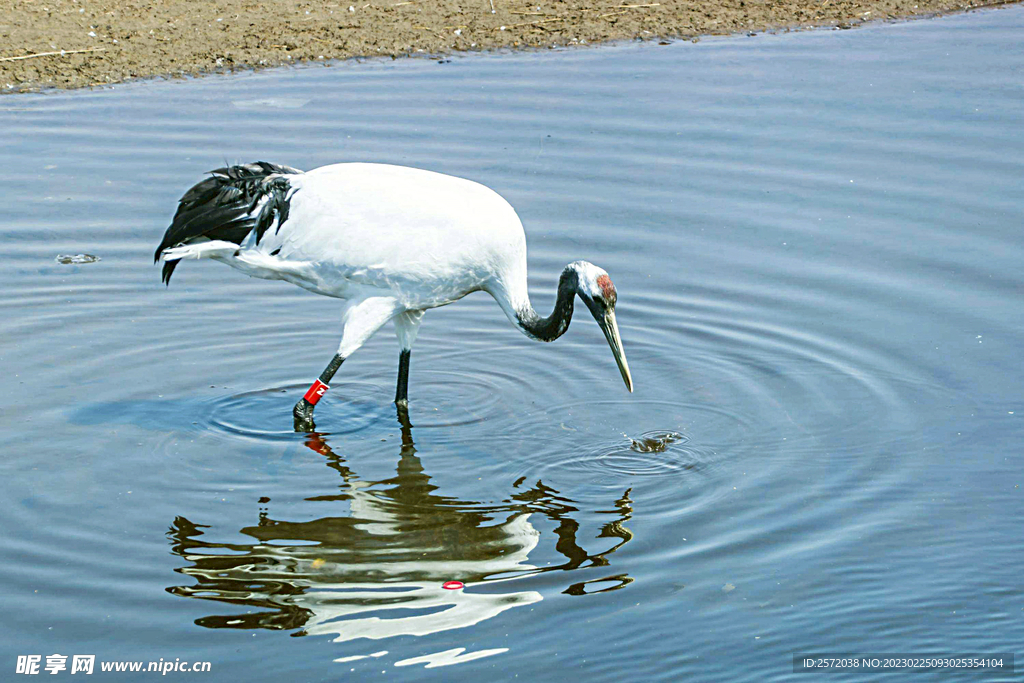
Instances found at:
x=596 y=290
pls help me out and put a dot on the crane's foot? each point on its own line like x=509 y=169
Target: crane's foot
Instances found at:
x=303 y=414
x=402 y=408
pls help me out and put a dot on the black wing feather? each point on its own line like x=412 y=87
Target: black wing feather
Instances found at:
x=220 y=207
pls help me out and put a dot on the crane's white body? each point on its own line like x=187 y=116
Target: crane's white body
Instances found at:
x=391 y=241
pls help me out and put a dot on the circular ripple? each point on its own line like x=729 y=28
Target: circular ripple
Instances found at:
x=562 y=437
x=764 y=398
x=266 y=414
x=650 y=454
x=720 y=426
x=442 y=398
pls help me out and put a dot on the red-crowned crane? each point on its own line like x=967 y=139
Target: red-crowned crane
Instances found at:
x=389 y=241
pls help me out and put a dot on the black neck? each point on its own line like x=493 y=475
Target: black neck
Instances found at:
x=555 y=325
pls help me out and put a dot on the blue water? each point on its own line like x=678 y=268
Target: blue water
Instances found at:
x=816 y=239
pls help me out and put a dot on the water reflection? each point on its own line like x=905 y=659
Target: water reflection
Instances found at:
x=377 y=572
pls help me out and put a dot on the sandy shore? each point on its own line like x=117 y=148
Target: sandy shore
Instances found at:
x=76 y=43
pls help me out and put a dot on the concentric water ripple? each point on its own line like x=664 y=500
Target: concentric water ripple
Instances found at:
x=755 y=395
x=650 y=454
x=267 y=414
x=451 y=398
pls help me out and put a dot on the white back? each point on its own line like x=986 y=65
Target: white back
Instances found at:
x=432 y=237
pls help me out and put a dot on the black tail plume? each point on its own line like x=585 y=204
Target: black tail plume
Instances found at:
x=221 y=207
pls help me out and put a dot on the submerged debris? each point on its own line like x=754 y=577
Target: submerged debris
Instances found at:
x=654 y=443
x=74 y=259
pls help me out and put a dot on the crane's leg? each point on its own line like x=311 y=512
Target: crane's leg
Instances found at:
x=303 y=411
x=407 y=326
x=402 y=392
x=360 y=320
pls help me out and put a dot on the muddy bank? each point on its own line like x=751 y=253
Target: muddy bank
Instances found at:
x=75 y=43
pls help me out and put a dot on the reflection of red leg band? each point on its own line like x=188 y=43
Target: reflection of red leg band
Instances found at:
x=316 y=392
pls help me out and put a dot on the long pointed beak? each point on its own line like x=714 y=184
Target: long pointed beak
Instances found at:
x=611 y=333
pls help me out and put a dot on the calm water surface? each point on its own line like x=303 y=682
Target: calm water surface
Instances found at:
x=816 y=239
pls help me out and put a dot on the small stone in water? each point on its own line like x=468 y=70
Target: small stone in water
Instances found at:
x=73 y=259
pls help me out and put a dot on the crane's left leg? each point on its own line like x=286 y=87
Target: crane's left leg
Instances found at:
x=360 y=320
x=407 y=325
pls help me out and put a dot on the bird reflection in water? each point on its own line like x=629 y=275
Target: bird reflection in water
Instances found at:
x=378 y=572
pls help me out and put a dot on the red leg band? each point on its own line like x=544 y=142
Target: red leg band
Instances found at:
x=316 y=392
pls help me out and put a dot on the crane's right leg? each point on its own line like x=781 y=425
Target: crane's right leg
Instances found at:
x=303 y=411
x=359 y=320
